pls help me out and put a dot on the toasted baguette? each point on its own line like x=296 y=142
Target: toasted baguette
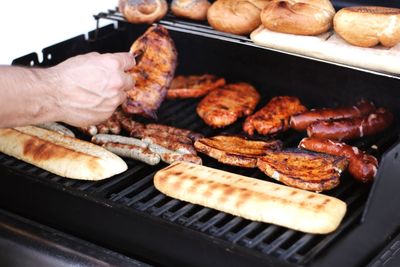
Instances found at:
x=251 y=198
x=63 y=155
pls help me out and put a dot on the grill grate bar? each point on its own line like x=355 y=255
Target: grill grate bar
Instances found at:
x=176 y=215
x=244 y=231
x=296 y=246
x=253 y=242
x=268 y=249
x=141 y=195
x=214 y=220
x=227 y=227
x=152 y=202
x=130 y=189
x=197 y=216
x=169 y=205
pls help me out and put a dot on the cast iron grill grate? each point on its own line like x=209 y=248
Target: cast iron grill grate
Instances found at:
x=134 y=189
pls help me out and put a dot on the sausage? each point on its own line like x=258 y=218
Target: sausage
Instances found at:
x=113 y=124
x=126 y=122
x=170 y=156
x=134 y=152
x=141 y=133
x=346 y=129
x=362 y=166
x=56 y=127
x=174 y=146
x=301 y=121
x=176 y=131
x=89 y=130
x=102 y=139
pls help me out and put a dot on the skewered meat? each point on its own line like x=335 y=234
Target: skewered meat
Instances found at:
x=235 y=150
x=305 y=170
x=153 y=73
x=301 y=121
x=362 y=166
x=273 y=117
x=193 y=86
x=353 y=128
x=225 y=105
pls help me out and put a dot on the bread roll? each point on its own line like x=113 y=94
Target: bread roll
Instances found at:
x=303 y=17
x=368 y=26
x=63 y=155
x=191 y=9
x=237 y=17
x=251 y=198
x=143 y=11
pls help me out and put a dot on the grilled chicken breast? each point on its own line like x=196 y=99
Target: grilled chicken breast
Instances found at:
x=235 y=150
x=305 y=170
x=225 y=105
x=273 y=117
x=193 y=86
x=156 y=63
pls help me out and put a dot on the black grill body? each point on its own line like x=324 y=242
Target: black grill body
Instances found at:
x=127 y=214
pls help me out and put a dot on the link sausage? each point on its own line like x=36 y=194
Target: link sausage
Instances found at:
x=362 y=166
x=301 y=121
x=353 y=128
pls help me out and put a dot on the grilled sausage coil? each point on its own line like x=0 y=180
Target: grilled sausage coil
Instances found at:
x=362 y=166
x=346 y=129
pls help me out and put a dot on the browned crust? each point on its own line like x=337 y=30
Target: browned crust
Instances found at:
x=191 y=9
x=153 y=73
x=193 y=86
x=305 y=170
x=374 y=10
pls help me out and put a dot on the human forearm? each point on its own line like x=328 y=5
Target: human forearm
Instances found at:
x=27 y=96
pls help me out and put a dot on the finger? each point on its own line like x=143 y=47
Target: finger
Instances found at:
x=127 y=60
x=129 y=82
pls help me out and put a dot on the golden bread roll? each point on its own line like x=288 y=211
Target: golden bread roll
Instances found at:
x=237 y=17
x=303 y=17
x=143 y=11
x=368 y=26
x=60 y=154
x=191 y=9
x=251 y=198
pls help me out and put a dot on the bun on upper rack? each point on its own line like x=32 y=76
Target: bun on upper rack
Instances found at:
x=368 y=26
x=237 y=17
x=191 y=9
x=303 y=17
x=143 y=11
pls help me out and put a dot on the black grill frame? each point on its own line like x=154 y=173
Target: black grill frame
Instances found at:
x=171 y=239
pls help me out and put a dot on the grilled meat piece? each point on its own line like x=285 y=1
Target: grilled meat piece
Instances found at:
x=193 y=86
x=235 y=150
x=127 y=123
x=156 y=63
x=175 y=131
x=274 y=117
x=352 y=128
x=223 y=106
x=305 y=170
x=362 y=166
x=301 y=121
x=171 y=145
x=142 y=133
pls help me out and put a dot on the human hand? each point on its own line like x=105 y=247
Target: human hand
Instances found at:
x=91 y=86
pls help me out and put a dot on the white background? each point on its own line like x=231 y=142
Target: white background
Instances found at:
x=30 y=25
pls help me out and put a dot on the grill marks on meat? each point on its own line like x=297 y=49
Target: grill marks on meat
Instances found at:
x=300 y=122
x=273 y=117
x=223 y=106
x=193 y=86
x=305 y=170
x=235 y=150
x=153 y=73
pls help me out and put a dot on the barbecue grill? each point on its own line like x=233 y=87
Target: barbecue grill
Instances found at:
x=128 y=215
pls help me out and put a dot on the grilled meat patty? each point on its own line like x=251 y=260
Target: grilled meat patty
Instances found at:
x=193 y=86
x=235 y=150
x=305 y=170
x=223 y=106
x=156 y=63
x=273 y=117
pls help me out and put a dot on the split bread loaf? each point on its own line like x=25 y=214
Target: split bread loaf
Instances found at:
x=251 y=198
x=331 y=47
x=62 y=155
